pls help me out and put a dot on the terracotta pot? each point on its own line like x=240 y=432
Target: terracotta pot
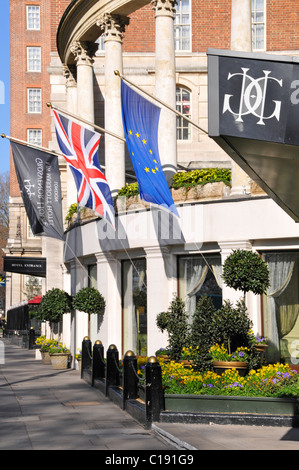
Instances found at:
x=221 y=366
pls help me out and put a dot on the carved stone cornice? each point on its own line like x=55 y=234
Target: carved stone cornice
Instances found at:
x=164 y=7
x=70 y=73
x=83 y=52
x=112 y=26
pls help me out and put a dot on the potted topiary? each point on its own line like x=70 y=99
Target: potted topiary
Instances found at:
x=174 y=321
x=245 y=270
x=90 y=301
x=54 y=304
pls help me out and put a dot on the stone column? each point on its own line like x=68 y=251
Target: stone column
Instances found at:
x=166 y=83
x=70 y=74
x=241 y=40
x=83 y=53
x=113 y=27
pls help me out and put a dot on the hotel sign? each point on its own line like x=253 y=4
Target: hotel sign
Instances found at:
x=23 y=265
x=254 y=117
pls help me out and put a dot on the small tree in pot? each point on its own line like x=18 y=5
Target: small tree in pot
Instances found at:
x=245 y=270
x=89 y=300
x=54 y=304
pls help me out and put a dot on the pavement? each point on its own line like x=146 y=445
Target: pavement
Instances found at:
x=46 y=409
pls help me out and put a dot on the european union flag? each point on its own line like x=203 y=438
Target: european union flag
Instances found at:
x=141 y=122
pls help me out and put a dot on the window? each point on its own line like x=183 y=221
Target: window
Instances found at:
x=101 y=42
x=134 y=300
x=34 y=100
x=182 y=26
x=92 y=276
x=258 y=14
x=33 y=17
x=200 y=275
x=33 y=59
x=34 y=136
x=281 y=307
x=183 y=127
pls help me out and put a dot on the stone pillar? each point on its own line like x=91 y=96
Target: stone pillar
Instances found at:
x=71 y=104
x=166 y=83
x=83 y=53
x=113 y=27
x=241 y=40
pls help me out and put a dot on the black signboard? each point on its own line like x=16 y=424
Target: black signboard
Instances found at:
x=254 y=117
x=23 y=265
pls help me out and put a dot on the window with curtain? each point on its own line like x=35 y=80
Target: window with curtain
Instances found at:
x=281 y=307
x=200 y=275
x=134 y=301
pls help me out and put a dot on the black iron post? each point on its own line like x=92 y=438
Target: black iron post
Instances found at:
x=112 y=368
x=86 y=355
x=31 y=338
x=154 y=396
x=98 y=363
x=130 y=377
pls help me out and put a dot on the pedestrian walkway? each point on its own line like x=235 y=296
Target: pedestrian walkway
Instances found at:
x=46 y=409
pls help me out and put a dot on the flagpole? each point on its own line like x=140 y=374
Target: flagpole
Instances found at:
x=116 y=72
x=89 y=123
x=28 y=144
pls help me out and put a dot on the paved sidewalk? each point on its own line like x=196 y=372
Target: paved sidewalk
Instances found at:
x=44 y=409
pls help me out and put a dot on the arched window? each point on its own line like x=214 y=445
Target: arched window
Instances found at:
x=183 y=105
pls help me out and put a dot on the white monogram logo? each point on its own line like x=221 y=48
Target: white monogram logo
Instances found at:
x=253 y=97
x=28 y=186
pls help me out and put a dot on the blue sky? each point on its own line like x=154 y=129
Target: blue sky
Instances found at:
x=4 y=86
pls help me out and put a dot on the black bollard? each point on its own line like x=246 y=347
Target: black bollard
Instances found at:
x=154 y=396
x=86 y=355
x=130 y=377
x=112 y=368
x=98 y=364
x=31 y=338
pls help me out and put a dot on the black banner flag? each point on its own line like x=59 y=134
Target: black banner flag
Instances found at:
x=39 y=180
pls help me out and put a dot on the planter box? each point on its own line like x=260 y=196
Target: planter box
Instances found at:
x=224 y=404
x=59 y=361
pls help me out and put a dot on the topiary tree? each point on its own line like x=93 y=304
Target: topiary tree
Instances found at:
x=175 y=322
x=203 y=332
x=89 y=300
x=246 y=271
x=54 y=304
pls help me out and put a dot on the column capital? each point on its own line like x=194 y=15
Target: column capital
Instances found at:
x=70 y=74
x=84 y=51
x=112 y=26
x=164 y=7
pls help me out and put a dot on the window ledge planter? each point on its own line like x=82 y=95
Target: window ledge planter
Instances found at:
x=232 y=404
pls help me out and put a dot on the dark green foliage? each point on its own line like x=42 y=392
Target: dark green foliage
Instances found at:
x=203 y=332
x=89 y=300
x=203 y=176
x=174 y=321
x=54 y=304
x=246 y=271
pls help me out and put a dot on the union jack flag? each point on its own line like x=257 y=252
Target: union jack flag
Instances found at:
x=79 y=146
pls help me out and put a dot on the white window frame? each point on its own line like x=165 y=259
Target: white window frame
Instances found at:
x=180 y=120
x=34 y=59
x=179 y=25
x=34 y=105
x=255 y=23
x=34 y=19
x=31 y=133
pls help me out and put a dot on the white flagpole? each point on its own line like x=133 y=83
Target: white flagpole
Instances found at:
x=116 y=72
x=89 y=123
x=29 y=144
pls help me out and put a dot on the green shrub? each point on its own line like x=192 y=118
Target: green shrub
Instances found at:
x=203 y=176
x=54 y=304
x=129 y=190
x=89 y=300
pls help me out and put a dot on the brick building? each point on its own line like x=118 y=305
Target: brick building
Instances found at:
x=131 y=39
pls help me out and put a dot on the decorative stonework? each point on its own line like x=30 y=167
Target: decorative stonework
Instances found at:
x=112 y=26
x=164 y=7
x=83 y=51
x=70 y=73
